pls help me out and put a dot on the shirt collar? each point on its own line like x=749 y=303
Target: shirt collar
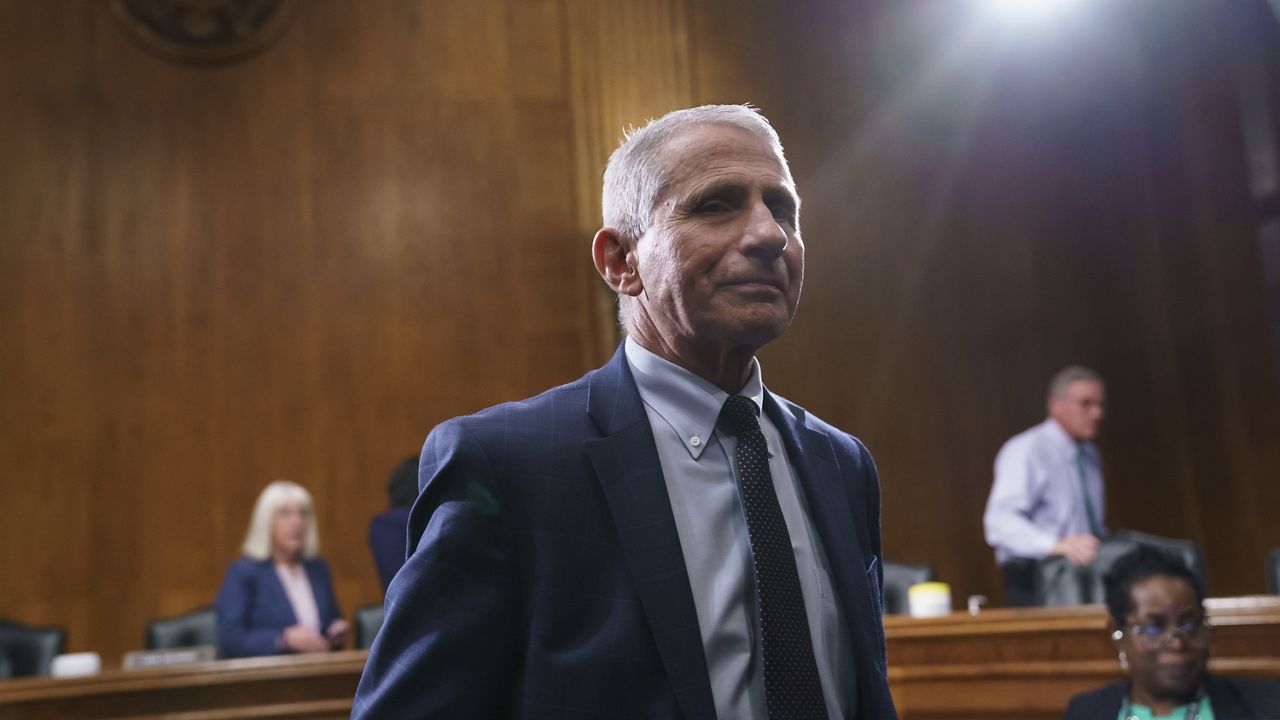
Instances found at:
x=690 y=404
x=1069 y=445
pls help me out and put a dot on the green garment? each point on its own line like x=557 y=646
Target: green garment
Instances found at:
x=1142 y=712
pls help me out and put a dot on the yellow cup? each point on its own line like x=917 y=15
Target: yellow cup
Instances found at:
x=929 y=599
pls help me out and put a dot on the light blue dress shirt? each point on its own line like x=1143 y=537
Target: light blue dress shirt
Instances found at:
x=695 y=459
x=1036 y=499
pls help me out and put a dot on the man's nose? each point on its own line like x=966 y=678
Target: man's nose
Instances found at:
x=765 y=233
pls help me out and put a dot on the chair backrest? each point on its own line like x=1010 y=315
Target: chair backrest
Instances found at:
x=1273 y=571
x=1058 y=582
x=28 y=650
x=368 y=621
x=898 y=578
x=197 y=627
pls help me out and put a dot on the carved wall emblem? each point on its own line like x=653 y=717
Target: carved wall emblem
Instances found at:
x=203 y=31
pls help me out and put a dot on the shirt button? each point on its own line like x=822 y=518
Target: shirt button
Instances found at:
x=695 y=441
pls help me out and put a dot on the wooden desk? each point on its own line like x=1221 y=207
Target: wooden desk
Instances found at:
x=295 y=686
x=1027 y=663
x=999 y=664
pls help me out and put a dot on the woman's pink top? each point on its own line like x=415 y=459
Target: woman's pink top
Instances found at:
x=298 y=589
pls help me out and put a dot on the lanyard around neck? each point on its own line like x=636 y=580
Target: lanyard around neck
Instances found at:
x=1193 y=708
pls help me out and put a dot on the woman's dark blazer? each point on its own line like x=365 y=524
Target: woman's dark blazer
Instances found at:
x=253 y=608
x=1233 y=699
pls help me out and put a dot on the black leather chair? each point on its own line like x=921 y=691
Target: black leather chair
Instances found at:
x=898 y=578
x=1273 y=571
x=1058 y=582
x=197 y=627
x=368 y=621
x=26 y=650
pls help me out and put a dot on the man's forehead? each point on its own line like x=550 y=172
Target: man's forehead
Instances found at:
x=706 y=155
x=1084 y=388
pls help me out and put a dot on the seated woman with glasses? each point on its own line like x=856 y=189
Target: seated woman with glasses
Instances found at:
x=1159 y=629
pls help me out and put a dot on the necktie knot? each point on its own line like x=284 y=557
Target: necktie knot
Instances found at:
x=739 y=415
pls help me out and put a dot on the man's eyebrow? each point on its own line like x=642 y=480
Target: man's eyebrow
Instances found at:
x=719 y=188
x=783 y=193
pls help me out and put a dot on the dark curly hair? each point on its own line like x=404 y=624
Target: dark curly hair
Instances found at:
x=1142 y=563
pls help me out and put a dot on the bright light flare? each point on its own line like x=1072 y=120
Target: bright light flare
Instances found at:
x=1025 y=11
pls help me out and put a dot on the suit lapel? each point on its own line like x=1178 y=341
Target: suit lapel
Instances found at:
x=1226 y=704
x=626 y=462
x=269 y=577
x=830 y=509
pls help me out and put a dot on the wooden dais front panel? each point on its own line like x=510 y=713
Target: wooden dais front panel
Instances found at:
x=1028 y=662
x=1024 y=663
x=290 y=686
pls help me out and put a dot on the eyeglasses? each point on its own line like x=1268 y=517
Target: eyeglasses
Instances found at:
x=1196 y=632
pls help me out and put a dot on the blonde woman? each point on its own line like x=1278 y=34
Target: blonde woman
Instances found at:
x=278 y=598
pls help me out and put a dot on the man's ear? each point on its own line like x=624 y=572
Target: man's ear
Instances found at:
x=615 y=260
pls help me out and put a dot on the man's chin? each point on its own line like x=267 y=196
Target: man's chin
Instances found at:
x=760 y=331
x=1082 y=434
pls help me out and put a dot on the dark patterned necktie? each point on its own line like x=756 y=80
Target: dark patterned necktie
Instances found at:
x=791 y=683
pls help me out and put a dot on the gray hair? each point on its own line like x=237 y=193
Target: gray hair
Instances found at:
x=1069 y=374
x=638 y=172
x=257 y=541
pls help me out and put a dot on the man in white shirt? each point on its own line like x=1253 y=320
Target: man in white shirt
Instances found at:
x=1047 y=497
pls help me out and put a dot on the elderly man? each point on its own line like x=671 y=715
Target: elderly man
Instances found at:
x=663 y=538
x=1047 y=495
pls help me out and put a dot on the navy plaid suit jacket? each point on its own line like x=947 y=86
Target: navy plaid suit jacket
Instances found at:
x=545 y=577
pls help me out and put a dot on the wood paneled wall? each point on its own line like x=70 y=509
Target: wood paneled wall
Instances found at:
x=289 y=267
x=992 y=203
x=295 y=265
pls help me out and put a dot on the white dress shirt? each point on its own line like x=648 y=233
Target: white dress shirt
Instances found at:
x=700 y=478
x=1036 y=498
